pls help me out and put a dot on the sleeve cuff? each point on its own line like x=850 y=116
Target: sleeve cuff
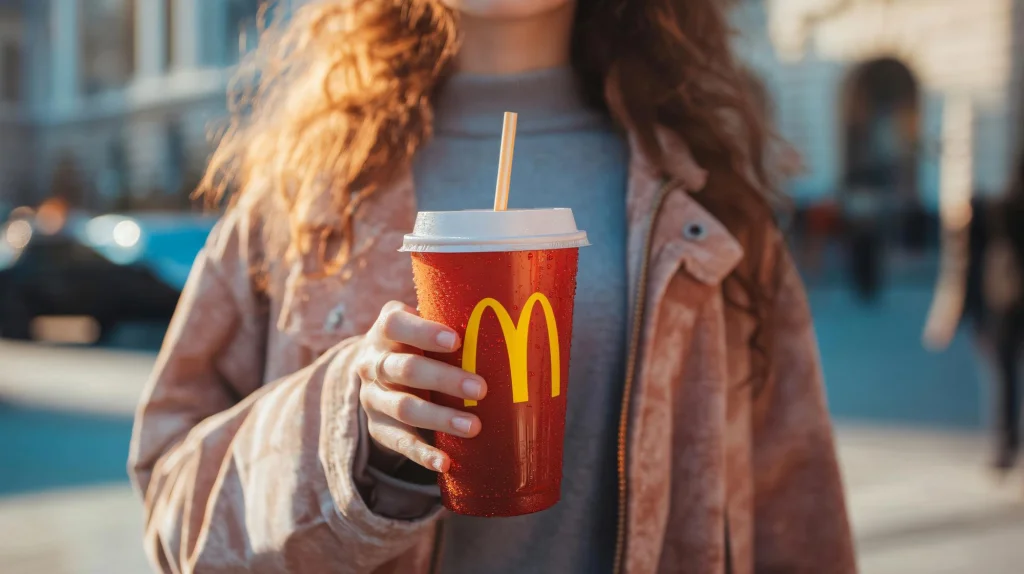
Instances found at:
x=386 y=494
x=387 y=501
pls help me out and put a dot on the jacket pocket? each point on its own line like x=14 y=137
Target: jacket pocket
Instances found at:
x=320 y=310
x=314 y=312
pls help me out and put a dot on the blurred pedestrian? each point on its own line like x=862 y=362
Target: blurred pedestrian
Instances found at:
x=982 y=279
x=824 y=222
x=281 y=430
x=863 y=222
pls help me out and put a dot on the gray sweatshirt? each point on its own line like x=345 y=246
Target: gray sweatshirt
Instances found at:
x=566 y=155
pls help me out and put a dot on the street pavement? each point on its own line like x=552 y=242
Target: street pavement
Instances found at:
x=877 y=370
x=911 y=444
x=919 y=503
x=102 y=381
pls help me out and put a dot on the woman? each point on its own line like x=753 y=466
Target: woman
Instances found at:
x=982 y=278
x=280 y=432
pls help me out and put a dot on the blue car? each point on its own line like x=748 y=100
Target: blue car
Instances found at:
x=108 y=269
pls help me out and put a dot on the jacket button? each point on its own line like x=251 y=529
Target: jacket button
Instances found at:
x=694 y=231
x=335 y=318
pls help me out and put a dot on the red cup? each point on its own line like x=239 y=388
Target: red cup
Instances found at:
x=513 y=309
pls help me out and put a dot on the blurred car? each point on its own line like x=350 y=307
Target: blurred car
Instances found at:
x=106 y=269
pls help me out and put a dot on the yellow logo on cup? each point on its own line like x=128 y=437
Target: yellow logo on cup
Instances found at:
x=516 y=336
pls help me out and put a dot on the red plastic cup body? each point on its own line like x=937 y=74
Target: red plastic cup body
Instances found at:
x=514 y=466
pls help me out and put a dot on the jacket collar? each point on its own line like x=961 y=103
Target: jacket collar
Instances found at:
x=708 y=250
x=702 y=244
x=684 y=232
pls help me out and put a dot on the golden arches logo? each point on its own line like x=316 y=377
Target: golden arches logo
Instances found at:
x=516 y=341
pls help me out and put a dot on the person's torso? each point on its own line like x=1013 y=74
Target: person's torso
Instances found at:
x=566 y=155
x=678 y=375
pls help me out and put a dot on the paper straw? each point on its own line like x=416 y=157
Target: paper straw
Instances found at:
x=508 y=144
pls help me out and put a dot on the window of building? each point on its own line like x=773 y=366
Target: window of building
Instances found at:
x=113 y=181
x=241 y=20
x=107 y=29
x=10 y=65
x=231 y=30
x=176 y=160
x=169 y=32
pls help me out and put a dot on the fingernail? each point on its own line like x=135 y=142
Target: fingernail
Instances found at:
x=462 y=424
x=438 y=464
x=472 y=388
x=446 y=339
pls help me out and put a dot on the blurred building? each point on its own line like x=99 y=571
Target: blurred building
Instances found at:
x=108 y=102
x=870 y=90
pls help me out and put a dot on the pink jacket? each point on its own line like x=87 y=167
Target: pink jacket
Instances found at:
x=249 y=447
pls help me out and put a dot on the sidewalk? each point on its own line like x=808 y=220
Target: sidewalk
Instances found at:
x=920 y=500
x=923 y=502
x=102 y=381
x=920 y=503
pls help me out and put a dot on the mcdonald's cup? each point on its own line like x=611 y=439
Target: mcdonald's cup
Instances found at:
x=506 y=282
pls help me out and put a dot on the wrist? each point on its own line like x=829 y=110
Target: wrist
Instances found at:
x=383 y=458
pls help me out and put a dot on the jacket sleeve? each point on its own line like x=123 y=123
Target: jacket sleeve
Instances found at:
x=801 y=524
x=237 y=476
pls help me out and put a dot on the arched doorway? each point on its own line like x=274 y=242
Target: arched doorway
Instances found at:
x=881 y=119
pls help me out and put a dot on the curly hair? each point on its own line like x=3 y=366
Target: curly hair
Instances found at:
x=337 y=97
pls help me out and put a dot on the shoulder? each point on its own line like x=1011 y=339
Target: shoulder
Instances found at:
x=246 y=244
x=766 y=252
x=771 y=276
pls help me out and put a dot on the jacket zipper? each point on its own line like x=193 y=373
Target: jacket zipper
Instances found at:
x=634 y=343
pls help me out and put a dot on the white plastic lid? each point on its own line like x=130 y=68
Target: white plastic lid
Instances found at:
x=483 y=230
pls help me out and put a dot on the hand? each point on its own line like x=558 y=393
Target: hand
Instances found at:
x=395 y=377
x=938 y=334
x=943 y=317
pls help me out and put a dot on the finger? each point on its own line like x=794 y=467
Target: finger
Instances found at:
x=419 y=413
x=400 y=438
x=402 y=325
x=420 y=372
